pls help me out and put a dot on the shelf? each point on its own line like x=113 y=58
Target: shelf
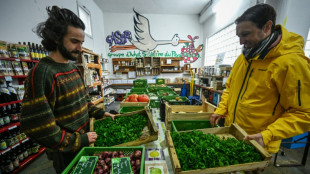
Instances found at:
x=172 y=71
x=108 y=93
x=93 y=65
x=9 y=127
x=10 y=103
x=10 y=147
x=168 y=65
x=17 y=59
x=97 y=101
x=210 y=89
x=96 y=84
x=18 y=76
x=207 y=76
x=126 y=65
x=29 y=159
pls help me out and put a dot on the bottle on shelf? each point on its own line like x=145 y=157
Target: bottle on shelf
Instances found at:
x=3 y=144
x=31 y=51
x=14 y=158
x=8 y=166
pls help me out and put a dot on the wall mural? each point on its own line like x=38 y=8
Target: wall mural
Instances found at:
x=145 y=44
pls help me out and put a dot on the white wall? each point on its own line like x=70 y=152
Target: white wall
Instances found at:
x=162 y=27
x=18 y=18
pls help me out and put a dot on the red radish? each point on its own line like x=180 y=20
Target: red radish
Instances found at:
x=105 y=154
x=105 y=168
x=137 y=154
x=114 y=154
x=138 y=163
x=100 y=171
x=108 y=160
x=101 y=162
x=121 y=156
x=121 y=152
x=132 y=162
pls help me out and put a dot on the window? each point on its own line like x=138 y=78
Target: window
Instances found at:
x=223 y=47
x=85 y=17
x=307 y=47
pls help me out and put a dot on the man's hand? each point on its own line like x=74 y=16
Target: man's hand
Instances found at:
x=214 y=119
x=107 y=114
x=92 y=136
x=257 y=137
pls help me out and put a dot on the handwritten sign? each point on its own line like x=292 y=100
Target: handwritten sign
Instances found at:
x=86 y=165
x=121 y=166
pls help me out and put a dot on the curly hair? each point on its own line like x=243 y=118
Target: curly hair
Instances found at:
x=55 y=27
x=259 y=14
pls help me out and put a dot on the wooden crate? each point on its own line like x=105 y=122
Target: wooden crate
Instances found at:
x=184 y=112
x=206 y=106
x=233 y=131
x=148 y=135
x=123 y=103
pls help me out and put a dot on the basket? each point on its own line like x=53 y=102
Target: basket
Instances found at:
x=234 y=131
x=148 y=135
x=139 y=93
x=172 y=101
x=141 y=90
x=89 y=151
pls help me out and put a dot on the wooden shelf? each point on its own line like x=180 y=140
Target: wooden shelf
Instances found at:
x=97 y=101
x=93 y=65
x=179 y=71
x=210 y=89
x=96 y=84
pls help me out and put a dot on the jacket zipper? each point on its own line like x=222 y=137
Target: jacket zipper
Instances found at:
x=274 y=109
x=247 y=83
x=246 y=74
x=299 y=100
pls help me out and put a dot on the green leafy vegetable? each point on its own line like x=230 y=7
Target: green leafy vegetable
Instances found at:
x=196 y=150
x=121 y=130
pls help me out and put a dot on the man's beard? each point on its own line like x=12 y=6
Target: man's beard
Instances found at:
x=65 y=53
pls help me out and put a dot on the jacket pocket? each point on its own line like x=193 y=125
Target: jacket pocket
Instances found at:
x=299 y=86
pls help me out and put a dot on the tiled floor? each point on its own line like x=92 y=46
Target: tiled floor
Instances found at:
x=43 y=166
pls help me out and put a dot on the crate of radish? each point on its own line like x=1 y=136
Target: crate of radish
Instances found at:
x=215 y=150
x=129 y=129
x=105 y=156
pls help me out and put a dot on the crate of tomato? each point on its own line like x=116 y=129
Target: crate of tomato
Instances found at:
x=104 y=160
x=129 y=129
x=215 y=150
x=135 y=100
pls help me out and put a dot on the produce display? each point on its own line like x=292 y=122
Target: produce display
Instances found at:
x=104 y=165
x=120 y=130
x=137 y=98
x=196 y=150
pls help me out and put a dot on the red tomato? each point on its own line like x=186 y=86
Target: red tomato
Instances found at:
x=143 y=98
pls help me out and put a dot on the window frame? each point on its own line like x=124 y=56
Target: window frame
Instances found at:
x=82 y=7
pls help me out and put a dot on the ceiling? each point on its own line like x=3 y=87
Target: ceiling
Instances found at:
x=186 y=7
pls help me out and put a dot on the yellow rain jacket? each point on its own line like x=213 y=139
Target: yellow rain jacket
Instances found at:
x=270 y=96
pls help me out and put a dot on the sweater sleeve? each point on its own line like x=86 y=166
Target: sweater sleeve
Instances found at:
x=37 y=117
x=95 y=112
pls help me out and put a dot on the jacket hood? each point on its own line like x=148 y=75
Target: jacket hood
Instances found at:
x=290 y=43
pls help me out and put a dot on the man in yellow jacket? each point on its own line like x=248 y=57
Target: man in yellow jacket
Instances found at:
x=268 y=90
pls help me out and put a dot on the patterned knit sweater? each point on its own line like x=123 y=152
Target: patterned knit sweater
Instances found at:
x=55 y=110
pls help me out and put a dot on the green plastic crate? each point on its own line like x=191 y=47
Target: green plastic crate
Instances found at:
x=134 y=90
x=154 y=104
x=171 y=100
x=166 y=93
x=126 y=109
x=160 y=81
x=140 y=83
x=88 y=151
x=184 y=125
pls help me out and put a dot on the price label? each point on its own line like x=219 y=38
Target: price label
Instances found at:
x=8 y=149
x=8 y=78
x=25 y=140
x=18 y=60
x=10 y=128
x=121 y=166
x=15 y=145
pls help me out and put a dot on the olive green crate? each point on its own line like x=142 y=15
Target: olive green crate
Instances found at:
x=172 y=101
x=89 y=151
x=134 y=90
x=140 y=83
